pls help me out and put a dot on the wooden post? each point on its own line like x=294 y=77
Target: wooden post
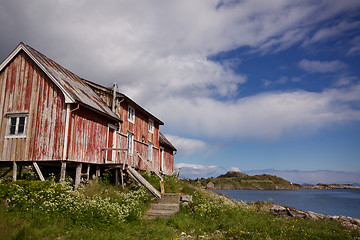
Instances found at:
x=116 y=176
x=88 y=172
x=63 y=172
x=162 y=189
x=19 y=172
x=38 y=171
x=122 y=178
x=14 y=171
x=77 y=175
x=97 y=173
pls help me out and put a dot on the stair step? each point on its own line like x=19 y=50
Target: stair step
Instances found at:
x=160 y=213
x=165 y=206
x=170 y=198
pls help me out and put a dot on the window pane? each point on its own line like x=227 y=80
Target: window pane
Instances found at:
x=12 y=125
x=21 y=125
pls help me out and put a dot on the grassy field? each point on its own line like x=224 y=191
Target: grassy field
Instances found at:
x=48 y=210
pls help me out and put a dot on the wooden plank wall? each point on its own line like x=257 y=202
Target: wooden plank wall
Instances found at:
x=26 y=89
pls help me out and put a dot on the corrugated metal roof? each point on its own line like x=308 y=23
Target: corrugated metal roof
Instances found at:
x=74 y=89
x=119 y=94
x=163 y=140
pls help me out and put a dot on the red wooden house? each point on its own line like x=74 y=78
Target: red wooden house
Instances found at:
x=49 y=116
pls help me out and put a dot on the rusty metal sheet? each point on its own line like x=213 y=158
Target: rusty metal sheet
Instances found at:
x=72 y=83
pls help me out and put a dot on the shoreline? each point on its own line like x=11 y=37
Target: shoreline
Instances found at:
x=294 y=187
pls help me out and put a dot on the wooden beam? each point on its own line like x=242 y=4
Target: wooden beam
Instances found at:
x=6 y=172
x=38 y=171
x=14 y=171
x=77 y=175
x=63 y=172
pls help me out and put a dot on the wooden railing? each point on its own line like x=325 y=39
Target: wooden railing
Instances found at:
x=156 y=172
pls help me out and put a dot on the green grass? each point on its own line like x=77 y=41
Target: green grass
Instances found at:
x=47 y=210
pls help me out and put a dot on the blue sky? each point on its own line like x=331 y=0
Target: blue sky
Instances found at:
x=271 y=86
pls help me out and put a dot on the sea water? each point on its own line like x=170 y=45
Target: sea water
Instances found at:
x=344 y=202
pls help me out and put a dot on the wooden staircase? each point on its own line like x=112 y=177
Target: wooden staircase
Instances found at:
x=166 y=207
x=135 y=175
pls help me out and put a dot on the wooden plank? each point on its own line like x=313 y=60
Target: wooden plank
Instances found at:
x=38 y=171
x=77 y=175
x=14 y=171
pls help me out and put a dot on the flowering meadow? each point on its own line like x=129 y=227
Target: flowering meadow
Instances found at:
x=49 y=210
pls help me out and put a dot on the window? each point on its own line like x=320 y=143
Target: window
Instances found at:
x=130 y=142
x=131 y=114
x=150 y=151
x=151 y=126
x=17 y=125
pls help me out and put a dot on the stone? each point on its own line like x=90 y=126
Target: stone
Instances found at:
x=186 y=198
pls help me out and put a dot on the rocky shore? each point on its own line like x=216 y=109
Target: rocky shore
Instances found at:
x=278 y=210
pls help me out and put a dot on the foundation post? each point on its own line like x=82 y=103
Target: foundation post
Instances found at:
x=14 y=171
x=77 y=175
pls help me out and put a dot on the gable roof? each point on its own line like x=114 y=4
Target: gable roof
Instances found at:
x=71 y=85
x=163 y=140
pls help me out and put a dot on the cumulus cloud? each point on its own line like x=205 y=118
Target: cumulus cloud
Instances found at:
x=321 y=67
x=265 y=116
x=186 y=146
x=159 y=55
x=193 y=171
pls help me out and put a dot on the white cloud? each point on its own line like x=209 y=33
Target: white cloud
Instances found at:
x=332 y=31
x=322 y=67
x=158 y=53
x=265 y=116
x=186 y=146
x=193 y=171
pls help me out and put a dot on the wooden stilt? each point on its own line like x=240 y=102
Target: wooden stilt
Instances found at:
x=97 y=171
x=77 y=175
x=19 y=172
x=6 y=172
x=14 y=171
x=38 y=171
x=63 y=172
x=88 y=172
x=116 y=176
x=122 y=178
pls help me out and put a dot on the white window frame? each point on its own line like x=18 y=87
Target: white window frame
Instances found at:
x=131 y=114
x=17 y=117
x=151 y=126
x=130 y=143
x=150 y=151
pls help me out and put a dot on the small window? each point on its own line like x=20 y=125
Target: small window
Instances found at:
x=150 y=151
x=151 y=126
x=17 y=125
x=131 y=114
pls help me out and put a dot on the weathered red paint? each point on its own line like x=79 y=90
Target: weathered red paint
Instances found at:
x=32 y=84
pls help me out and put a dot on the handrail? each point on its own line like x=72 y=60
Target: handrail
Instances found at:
x=161 y=179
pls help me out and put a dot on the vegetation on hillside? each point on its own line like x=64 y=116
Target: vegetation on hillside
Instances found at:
x=48 y=210
x=238 y=180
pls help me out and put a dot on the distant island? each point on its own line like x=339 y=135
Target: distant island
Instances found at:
x=241 y=181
